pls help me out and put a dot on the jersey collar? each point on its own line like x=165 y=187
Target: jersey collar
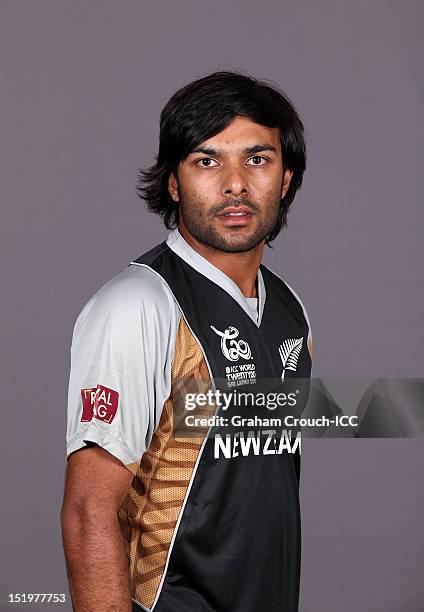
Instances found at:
x=177 y=244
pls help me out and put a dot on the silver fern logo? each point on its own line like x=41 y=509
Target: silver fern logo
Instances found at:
x=289 y=354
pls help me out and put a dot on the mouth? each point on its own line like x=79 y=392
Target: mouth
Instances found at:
x=236 y=216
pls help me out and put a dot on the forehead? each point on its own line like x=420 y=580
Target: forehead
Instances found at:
x=243 y=132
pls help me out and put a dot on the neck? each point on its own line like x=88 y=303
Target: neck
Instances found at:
x=242 y=268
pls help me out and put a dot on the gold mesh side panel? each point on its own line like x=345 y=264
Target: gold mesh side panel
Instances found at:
x=150 y=511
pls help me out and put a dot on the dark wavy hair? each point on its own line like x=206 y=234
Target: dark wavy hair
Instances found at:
x=202 y=109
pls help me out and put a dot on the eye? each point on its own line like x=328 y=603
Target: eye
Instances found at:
x=256 y=160
x=206 y=162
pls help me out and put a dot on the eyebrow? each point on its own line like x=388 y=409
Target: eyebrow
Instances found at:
x=249 y=150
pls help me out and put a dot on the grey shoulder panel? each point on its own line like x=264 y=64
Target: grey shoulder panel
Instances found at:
x=124 y=340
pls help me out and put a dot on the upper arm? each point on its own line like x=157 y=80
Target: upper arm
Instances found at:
x=121 y=357
x=95 y=476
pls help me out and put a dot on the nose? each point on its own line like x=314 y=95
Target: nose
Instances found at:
x=234 y=182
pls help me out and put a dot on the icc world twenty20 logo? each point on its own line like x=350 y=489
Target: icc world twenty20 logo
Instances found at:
x=231 y=348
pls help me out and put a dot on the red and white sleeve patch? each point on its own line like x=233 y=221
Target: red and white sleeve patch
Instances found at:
x=100 y=402
x=88 y=397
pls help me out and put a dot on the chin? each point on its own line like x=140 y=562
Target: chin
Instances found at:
x=241 y=244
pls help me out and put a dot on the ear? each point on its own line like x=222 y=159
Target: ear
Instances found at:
x=173 y=188
x=286 y=182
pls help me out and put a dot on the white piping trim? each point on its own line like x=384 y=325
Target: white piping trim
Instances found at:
x=201 y=448
x=140 y=605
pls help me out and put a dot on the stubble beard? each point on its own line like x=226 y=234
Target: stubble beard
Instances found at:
x=201 y=226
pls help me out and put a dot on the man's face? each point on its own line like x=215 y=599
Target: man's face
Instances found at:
x=229 y=188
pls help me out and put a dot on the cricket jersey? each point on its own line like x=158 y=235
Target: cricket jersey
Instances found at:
x=211 y=522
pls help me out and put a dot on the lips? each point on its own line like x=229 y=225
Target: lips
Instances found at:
x=236 y=216
x=236 y=211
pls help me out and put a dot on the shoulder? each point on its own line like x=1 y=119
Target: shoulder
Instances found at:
x=289 y=294
x=283 y=287
x=135 y=291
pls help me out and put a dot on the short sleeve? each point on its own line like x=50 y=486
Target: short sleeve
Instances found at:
x=121 y=357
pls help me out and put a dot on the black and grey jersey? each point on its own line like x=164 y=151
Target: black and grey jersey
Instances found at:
x=211 y=522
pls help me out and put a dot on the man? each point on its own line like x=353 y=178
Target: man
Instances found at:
x=153 y=519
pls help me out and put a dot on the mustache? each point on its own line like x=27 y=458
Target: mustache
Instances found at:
x=220 y=208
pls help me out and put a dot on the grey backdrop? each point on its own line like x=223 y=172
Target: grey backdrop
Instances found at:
x=82 y=85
